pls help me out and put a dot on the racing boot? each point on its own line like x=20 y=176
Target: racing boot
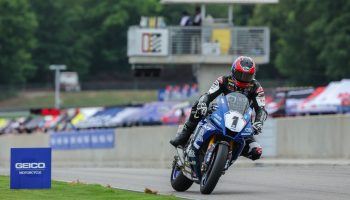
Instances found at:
x=185 y=134
x=252 y=150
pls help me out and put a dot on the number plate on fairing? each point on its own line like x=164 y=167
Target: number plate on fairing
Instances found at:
x=234 y=121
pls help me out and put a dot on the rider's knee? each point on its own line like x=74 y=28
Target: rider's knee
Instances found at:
x=254 y=152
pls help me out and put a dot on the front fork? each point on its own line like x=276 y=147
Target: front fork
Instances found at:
x=229 y=161
x=208 y=154
x=235 y=150
x=211 y=147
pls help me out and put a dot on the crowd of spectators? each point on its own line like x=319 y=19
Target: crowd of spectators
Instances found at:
x=173 y=108
x=47 y=120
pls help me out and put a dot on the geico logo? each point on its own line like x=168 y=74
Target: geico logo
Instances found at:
x=30 y=165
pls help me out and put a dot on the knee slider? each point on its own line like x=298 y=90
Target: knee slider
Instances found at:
x=255 y=153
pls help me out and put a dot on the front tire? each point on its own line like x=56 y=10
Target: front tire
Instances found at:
x=179 y=181
x=216 y=166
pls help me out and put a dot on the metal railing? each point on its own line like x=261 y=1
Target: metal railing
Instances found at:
x=185 y=41
x=205 y=40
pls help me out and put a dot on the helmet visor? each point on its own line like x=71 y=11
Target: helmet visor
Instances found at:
x=243 y=76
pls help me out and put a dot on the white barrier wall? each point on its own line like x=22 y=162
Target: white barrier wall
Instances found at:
x=300 y=137
x=134 y=147
x=268 y=138
x=314 y=137
x=23 y=140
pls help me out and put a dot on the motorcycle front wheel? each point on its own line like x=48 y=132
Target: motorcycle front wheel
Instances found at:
x=215 y=168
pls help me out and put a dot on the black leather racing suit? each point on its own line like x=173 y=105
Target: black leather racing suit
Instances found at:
x=225 y=85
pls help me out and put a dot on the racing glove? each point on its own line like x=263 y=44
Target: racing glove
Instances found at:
x=257 y=126
x=202 y=108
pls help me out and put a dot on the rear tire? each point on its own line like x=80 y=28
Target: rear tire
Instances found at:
x=212 y=175
x=179 y=181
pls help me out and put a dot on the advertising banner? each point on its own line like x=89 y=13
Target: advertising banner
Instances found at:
x=83 y=139
x=30 y=168
x=148 y=42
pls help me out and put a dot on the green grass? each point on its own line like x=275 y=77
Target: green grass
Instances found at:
x=79 y=99
x=62 y=190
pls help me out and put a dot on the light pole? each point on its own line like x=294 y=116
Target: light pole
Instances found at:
x=57 y=69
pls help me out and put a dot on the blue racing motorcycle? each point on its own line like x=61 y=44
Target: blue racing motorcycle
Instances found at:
x=215 y=145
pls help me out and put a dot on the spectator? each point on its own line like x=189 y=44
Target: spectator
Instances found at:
x=185 y=19
x=181 y=46
x=197 y=19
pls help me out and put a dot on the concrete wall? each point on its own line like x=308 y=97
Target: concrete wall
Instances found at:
x=314 y=137
x=25 y=140
x=268 y=138
x=134 y=147
x=301 y=137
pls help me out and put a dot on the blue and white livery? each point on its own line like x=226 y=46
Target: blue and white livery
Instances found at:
x=216 y=143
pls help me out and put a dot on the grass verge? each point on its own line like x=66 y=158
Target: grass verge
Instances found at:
x=74 y=190
x=80 y=99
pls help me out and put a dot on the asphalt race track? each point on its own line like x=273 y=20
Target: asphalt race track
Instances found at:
x=271 y=182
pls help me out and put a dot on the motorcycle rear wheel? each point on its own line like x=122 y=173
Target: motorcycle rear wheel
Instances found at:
x=179 y=181
x=216 y=166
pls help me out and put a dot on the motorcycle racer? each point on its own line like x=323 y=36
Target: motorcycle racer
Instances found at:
x=242 y=80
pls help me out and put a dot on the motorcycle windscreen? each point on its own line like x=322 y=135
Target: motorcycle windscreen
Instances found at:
x=238 y=104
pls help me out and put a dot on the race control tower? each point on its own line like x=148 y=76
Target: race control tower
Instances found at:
x=209 y=49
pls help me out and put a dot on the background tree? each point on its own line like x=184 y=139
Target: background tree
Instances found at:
x=108 y=22
x=62 y=38
x=309 y=39
x=88 y=36
x=331 y=36
x=17 y=26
